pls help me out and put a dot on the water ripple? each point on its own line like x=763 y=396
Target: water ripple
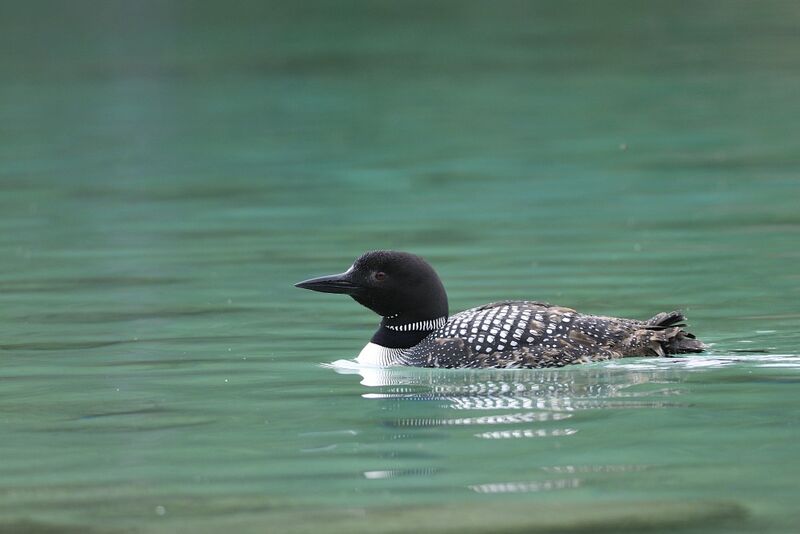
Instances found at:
x=713 y=361
x=497 y=419
x=526 y=487
x=527 y=433
x=619 y=468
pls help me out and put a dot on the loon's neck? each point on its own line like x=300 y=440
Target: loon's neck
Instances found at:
x=393 y=338
x=395 y=333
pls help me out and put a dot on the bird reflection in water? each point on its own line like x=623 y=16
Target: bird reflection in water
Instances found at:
x=554 y=390
x=491 y=404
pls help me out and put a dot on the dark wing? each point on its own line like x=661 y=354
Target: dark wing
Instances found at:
x=513 y=334
x=522 y=334
x=518 y=303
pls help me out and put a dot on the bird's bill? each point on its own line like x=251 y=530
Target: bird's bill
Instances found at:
x=335 y=283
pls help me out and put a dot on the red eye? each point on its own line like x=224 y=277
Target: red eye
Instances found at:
x=380 y=276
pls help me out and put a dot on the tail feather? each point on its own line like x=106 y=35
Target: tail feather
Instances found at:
x=665 y=319
x=668 y=336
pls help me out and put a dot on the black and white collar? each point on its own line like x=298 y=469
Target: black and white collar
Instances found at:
x=430 y=324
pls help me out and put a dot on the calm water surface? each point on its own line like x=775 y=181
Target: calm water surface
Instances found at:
x=168 y=170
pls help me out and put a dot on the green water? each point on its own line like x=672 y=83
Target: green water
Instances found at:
x=169 y=169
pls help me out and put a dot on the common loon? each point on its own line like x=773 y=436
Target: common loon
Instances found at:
x=417 y=331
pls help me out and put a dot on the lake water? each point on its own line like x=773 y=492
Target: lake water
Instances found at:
x=169 y=169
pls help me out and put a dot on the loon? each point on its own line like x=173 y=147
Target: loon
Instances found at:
x=416 y=329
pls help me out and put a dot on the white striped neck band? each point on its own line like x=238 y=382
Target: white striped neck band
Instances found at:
x=430 y=324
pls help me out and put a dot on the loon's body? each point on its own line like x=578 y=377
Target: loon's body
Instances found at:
x=416 y=330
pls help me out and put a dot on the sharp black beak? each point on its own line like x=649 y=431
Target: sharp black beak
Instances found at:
x=335 y=283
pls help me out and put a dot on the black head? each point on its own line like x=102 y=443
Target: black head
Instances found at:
x=399 y=286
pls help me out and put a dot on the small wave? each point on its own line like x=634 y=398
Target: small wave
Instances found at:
x=518 y=433
x=707 y=362
x=526 y=487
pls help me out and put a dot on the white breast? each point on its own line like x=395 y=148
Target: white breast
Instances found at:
x=378 y=356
